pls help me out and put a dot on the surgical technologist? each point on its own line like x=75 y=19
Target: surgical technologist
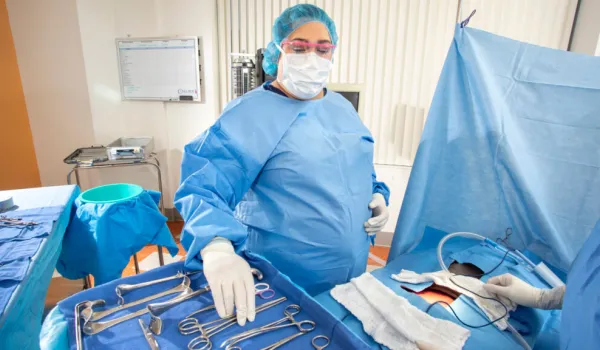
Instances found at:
x=286 y=170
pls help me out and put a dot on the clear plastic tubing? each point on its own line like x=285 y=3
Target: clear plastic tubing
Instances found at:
x=440 y=258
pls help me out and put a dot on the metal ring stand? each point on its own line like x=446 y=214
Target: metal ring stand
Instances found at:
x=152 y=161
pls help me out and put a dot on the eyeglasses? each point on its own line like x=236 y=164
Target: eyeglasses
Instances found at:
x=297 y=46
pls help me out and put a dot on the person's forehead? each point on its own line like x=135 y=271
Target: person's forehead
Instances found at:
x=311 y=31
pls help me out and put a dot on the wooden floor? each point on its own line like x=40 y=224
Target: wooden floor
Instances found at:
x=61 y=288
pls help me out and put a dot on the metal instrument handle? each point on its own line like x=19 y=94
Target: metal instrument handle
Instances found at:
x=264 y=330
x=184 y=286
x=199 y=340
x=320 y=347
x=148 y=335
x=123 y=289
x=281 y=342
x=91 y=328
x=78 y=340
x=159 y=308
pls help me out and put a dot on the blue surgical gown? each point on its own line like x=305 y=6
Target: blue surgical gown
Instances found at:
x=580 y=324
x=290 y=180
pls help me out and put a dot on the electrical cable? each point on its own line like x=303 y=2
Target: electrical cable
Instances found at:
x=468 y=290
x=512 y=329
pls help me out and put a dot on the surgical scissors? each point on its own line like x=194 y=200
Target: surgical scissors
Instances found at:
x=155 y=310
x=289 y=312
x=320 y=347
x=190 y=325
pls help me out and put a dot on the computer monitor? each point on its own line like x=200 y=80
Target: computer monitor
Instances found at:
x=352 y=92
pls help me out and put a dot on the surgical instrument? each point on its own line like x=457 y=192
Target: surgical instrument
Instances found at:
x=210 y=307
x=149 y=336
x=262 y=289
x=96 y=315
x=289 y=312
x=78 y=340
x=14 y=222
x=518 y=337
x=123 y=289
x=320 y=347
x=190 y=325
x=90 y=327
x=156 y=310
x=277 y=344
x=542 y=270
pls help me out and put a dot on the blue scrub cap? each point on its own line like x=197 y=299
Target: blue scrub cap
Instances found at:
x=290 y=20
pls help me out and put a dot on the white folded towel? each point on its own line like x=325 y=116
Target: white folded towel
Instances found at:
x=392 y=321
x=491 y=308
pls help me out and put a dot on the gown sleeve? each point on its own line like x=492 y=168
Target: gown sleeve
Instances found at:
x=217 y=170
x=380 y=187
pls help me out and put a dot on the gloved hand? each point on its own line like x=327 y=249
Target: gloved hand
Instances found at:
x=510 y=287
x=380 y=214
x=230 y=280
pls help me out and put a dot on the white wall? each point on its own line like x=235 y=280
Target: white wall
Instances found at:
x=171 y=124
x=587 y=27
x=68 y=63
x=48 y=44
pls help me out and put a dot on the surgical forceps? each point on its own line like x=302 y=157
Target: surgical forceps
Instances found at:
x=190 y=325
x=320 y=347
x=155 y=310
x=289 y=312
x=262 y=289
x=277 y=344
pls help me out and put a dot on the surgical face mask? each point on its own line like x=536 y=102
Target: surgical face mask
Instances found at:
x=304 y=74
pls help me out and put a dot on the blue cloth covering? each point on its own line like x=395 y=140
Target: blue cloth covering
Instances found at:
x=128 y=335
x=291 y=180
x=19 y=244
x=531 y=323
x=43 y=216
x=512 y=140
x=26 y=265
x=581 y=306
x=102 y=237
x=11 y=275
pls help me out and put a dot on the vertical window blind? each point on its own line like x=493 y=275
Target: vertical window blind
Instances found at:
x=394 y=50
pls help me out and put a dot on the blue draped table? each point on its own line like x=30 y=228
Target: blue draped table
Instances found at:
x=27 y=260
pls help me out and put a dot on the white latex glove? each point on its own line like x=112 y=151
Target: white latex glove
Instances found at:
x=380 y=214
x=510 y=287
x=422 y=345
x=230 y=280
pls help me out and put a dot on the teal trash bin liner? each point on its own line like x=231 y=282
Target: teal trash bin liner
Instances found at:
x=108 y=225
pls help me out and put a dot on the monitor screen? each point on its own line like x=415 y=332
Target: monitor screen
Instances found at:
x=352 y=96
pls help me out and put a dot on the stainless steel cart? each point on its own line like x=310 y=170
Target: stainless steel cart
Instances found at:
x=96 y=157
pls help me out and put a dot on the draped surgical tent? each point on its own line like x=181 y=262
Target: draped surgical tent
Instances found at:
x=512 y=140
